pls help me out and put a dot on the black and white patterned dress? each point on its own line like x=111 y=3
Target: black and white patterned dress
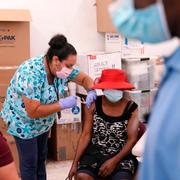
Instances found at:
x=109 y=135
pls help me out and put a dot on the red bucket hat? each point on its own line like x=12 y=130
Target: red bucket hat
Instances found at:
x=113 y=79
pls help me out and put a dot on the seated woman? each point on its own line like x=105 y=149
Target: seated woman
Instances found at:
x=109 y=133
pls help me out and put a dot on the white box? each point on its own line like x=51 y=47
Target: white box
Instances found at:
x=72 y=115
x=144 y=100
x=128 y=47
x=132 y=48
x=93 y=63
x=113 y=42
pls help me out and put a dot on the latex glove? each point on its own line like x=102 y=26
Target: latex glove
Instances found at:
x=91 y=97
x=68 y=102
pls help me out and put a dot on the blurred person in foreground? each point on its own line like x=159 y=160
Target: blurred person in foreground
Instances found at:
x=157 y=21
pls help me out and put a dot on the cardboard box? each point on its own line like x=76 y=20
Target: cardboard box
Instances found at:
x=113 y=42
x=3 y=126
x=63 y=141
x=93 y=63
x=1 y=103
x=104 y=22
x=72 y=115
x=3 y=91
x=14 y=36
x=6 y=74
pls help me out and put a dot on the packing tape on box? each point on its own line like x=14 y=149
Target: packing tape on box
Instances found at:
x=8 y=67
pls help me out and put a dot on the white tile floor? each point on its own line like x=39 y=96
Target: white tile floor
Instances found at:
x=58 y=170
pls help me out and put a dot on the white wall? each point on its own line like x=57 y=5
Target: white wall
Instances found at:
x=76 y=19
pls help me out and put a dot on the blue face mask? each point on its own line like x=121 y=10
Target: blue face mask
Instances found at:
x=113 y=95
x=147 y=24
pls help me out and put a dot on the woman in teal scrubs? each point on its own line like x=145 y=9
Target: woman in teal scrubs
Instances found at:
x=34 y=96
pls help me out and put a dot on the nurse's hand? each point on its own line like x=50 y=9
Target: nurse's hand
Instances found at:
x=91 y=97
x=68 y=102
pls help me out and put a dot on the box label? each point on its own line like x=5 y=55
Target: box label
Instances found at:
x=7 y=38
x=113 y=38
x=72 y=115
x=111 y=61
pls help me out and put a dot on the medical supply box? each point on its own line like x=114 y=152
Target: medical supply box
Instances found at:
x=93 y=63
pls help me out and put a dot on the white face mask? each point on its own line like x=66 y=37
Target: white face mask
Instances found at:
x=113 y=95
x=64 y=73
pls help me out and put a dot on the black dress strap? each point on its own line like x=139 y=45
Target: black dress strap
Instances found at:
x=98 y=104
x=127 y=107
x=133 y=106
x=130 y=108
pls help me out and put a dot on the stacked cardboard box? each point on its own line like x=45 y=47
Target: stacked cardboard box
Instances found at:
x=14 y=43
x=14 y=49
x=63 y=141
x=113 y=40
x=104 y=23
x=14 y=36
x=6 y=73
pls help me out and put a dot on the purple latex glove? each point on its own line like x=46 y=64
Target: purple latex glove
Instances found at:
x=91 y=97
x=68 y=102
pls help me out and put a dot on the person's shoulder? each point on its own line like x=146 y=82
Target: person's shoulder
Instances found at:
x=33 y=65
x=130 y=102
x=130 y=105
x=35 y=62
x=75 y=72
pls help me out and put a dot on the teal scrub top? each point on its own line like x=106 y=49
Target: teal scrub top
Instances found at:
x=31 y=80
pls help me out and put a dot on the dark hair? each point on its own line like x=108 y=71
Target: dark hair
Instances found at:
x=60 y=47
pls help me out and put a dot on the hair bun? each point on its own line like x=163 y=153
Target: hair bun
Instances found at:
x=58 y=41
